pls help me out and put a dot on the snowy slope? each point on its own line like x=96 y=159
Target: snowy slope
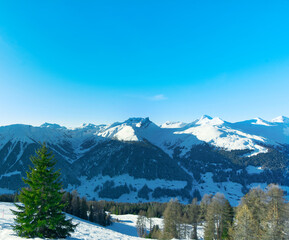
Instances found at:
x=30 y=134
x=171 y=159
x=84 y=231
x=123 y=229
x=218 y=133
x=229 y=136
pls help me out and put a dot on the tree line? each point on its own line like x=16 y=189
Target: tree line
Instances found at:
x=261 y=214
x=87 y=210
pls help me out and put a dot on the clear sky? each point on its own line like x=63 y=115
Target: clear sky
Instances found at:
x=71 y=62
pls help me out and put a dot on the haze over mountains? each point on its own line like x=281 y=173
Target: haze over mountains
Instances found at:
x=137 y=160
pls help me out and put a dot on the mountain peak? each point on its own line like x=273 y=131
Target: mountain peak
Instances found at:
x=169 y=124
x=205 y=119
x=280 y=119
x=260 y=121
x=52 y=126
x=138 y=122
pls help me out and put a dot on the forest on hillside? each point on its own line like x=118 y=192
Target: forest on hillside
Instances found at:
x=261 y=214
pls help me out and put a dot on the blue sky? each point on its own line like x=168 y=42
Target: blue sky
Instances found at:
x=71 y=62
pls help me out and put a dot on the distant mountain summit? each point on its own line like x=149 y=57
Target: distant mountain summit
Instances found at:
x=137 y=160
x=280 y=119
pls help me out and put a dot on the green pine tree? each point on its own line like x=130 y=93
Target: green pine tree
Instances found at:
x=41 y=213
x=83 y=208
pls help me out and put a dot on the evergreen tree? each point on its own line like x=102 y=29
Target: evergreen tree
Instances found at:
x=83 y=208
x=66 y=198
x=75 y=203
x=41 y=213
x=227 y=218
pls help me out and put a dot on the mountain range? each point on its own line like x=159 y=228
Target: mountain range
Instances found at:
x=138 y=160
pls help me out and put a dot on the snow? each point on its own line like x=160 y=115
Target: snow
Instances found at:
x=231 y=190
x=126 y=134
x=218 y=133
x=87 y=187
x=229 y=136
x=260 y=121
x=280 y=119
x=10 y=174
x=254 y=170
x=123 y=229
x=84 y=231
x=130 y=220
x=205 y=119
x=273 y=132
x=169 y=124
x=52 y=125
x=30 y=134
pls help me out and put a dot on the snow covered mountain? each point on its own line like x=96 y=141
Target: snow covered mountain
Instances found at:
x=137 y=160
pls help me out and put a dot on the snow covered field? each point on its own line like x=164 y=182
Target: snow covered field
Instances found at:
x=124 y=229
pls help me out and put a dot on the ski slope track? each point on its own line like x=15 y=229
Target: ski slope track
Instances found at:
x=175 y=159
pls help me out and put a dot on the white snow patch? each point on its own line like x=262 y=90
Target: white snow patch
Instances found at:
x=254 y=170
x=124 y=229
x=260 y=121
x=87 y=187
x=10 y=174
x=173 y=125
x=84 y=231
x=231 y=190
x=126 y=134
x=280 y=119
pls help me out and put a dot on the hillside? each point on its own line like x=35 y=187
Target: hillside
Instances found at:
x=123 y=229
x=137 y=160
x=85 y=230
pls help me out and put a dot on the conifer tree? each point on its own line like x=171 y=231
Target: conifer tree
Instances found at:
x=41 y=213
x=83 y=208
x=227 y=218
x=75 y=203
